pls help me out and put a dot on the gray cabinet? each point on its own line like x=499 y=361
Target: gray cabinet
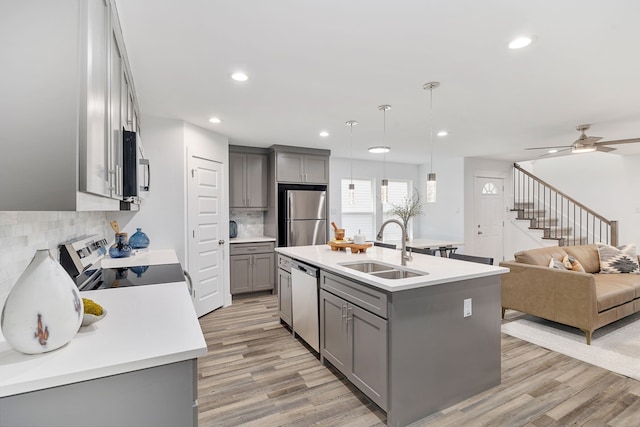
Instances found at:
x=76 y=57
x=247 y=180
x=304 y=168
x=354 y=340
x=284 y=290
x=252 y=267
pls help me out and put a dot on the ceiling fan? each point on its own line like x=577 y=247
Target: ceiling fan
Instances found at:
x=585 y=144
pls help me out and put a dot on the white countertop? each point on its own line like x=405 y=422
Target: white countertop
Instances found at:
x=257 y=239
x=441 y=270
x=150 y=257
x=145 y=326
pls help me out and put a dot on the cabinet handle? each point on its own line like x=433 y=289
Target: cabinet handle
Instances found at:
x=349 y=311
x=344 y=314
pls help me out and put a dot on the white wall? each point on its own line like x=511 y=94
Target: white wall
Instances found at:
x=605 y=182
x=444 y=219
x=363 y=169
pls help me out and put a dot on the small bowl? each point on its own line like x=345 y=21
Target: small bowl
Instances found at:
x=88 y=319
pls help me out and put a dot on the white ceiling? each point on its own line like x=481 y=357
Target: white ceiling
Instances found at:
x=313 y=65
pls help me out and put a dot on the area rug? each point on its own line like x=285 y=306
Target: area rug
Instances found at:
x=615 y=347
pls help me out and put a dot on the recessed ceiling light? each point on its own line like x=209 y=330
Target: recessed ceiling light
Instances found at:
x=379 y=149
x=239 y=77
x=215 y=120
x=324 y=134
x=443 y=133
x=552 y=151
x=520 y=42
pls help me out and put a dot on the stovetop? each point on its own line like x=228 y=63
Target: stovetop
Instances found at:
x=129 y=276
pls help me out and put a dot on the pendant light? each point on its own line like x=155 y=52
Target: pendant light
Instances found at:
x=384 y=186
x=431 y=176
x=352 y=187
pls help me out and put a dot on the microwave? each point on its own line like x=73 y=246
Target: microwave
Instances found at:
x=136 y=171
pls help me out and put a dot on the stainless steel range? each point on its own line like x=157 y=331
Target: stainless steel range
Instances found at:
x=80 y=258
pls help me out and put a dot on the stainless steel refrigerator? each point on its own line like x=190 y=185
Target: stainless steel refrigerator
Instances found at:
x=305 y=217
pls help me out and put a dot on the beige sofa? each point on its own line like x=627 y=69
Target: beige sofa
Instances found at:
x=586 y=300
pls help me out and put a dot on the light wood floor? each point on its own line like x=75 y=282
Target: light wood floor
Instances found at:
x=257 y=374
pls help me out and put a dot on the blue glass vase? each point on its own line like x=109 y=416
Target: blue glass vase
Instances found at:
x=120 y=248
x=139 y=240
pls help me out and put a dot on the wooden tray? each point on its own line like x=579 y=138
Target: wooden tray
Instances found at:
x=342 y=246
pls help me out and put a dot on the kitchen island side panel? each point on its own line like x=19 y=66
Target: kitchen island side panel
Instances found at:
x=160 y=396
x=438 y=357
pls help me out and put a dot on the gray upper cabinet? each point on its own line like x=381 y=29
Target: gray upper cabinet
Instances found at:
x=61 y=120
x=248 y=180
x=302 y=168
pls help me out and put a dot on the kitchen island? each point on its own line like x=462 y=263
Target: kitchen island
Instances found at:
x=414 y=345
x=137 y=366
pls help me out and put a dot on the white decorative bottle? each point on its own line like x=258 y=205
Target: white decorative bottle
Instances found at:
x=44 y=310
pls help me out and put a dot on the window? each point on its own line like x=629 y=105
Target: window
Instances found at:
x=398 y=191
x=489 y=188
x=360 y=215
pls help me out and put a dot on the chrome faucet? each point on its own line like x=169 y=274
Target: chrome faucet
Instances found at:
x=404 y=257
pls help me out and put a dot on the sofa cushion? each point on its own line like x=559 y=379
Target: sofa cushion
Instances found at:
x=540 y=256
x=623 y=259
x=611 y=293
x=587 y=255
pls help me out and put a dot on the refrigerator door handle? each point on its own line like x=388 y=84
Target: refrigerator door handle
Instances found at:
x=289 y=205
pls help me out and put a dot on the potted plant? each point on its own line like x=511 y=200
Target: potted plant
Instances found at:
x=408 y=208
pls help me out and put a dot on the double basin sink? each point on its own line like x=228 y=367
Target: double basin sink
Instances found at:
x=382 y=270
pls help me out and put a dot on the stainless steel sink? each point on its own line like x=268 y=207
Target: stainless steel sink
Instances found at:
x=384 y=271
x=397 y=274
x=368 y=266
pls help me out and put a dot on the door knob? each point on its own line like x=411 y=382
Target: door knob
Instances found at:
x=221 y=242
x=479 y=232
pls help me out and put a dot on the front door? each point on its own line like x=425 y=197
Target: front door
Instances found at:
x=488 y=232
x=206 y=243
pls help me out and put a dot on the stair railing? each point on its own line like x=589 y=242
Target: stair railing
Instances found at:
x=557 y=213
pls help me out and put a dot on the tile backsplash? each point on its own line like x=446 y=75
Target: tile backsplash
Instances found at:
x=22 y=233
x=250 y=223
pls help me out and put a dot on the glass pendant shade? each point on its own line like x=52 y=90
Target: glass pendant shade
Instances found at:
x=384 y=191
x=431 y=187
x=352 y=194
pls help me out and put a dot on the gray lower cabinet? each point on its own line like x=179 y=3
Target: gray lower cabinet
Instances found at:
x=355 y=342
x=165 y=395
x=284 y=297
x=252 y=267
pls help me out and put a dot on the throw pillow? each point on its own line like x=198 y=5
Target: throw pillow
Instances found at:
x=558 y=265
x=623 y=259
x=572 y=264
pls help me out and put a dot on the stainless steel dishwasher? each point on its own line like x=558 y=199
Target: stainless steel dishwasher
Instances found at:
x=304 y=302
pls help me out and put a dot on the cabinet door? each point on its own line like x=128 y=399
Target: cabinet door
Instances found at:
x=256 y=181
x=289 y=167
x=240 y=273
x=316 y=169
x=237 y=185
x=263 y=271
x=368 y=342
x=94 y=177
x=115 y=118
x=284 y=296
x=334 y=345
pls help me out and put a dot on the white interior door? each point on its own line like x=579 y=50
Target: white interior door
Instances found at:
x=206 y=244
x=488 y=233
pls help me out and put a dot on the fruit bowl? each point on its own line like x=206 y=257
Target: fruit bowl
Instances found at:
x=88 y=319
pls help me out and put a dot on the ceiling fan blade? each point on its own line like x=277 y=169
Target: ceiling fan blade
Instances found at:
x=546 y=148
x=554 y=154
x=604 y=149
x=589 y=140
x=619 y=141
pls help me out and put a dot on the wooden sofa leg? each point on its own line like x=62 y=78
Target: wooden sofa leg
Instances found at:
x=504 y=310
x=588 y=336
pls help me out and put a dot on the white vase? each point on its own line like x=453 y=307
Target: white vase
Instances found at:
x=44 y=310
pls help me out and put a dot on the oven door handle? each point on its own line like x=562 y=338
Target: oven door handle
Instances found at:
x=189 y=282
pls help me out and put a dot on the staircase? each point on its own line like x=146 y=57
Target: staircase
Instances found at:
x=560 y=217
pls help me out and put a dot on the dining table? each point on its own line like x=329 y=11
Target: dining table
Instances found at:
x=441 y=245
